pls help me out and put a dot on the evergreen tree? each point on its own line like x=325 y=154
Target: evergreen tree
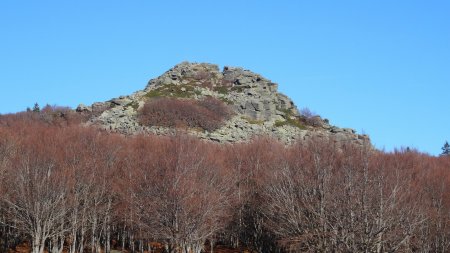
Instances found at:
x=446 y=149
x=36 y=107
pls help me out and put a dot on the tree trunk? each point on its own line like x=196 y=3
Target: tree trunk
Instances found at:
x=38 y=244
x=93 y=238
x=81 y=247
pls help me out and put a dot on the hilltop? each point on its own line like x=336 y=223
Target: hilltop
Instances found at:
x=249 y=106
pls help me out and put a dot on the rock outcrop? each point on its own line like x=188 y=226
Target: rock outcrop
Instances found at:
x=259 y=109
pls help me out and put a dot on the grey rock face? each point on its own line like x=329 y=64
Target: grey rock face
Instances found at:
x=260 y=110
x=83 y=108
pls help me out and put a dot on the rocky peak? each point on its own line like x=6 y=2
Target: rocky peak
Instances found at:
x=250 y=93
x=185 y=71
x=259 y=109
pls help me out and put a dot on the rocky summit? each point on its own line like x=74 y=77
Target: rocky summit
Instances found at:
x=258 y=109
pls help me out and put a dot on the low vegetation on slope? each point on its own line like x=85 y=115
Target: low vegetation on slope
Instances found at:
x=207 y=114
x=77 y=189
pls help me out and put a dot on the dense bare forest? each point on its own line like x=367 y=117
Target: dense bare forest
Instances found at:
x=64 y=187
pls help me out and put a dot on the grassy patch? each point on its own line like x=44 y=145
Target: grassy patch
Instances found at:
x=134 y=105
x=295 y=123
x=280 y=123
x=154 y=93
x=197 y=92
x=172 y=90
x=226 y=101
x=238 y=89
x=290 y=122
x=287 y=112
x=253 y=121
x=221 y=89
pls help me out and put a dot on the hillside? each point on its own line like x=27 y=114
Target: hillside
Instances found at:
x=68 y=188
x=254 y=108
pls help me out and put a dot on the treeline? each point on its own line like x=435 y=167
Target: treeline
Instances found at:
x=69 y=188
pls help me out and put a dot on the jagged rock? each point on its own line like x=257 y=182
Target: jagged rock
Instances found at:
x=285 y=103
x=260 y=110
x=99 y=107
x=185 y=73
x=83 y=108
x=121 y=101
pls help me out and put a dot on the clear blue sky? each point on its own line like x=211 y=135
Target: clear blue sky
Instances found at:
x=380 y=67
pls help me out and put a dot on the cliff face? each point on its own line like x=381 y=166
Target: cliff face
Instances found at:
x=258 y=108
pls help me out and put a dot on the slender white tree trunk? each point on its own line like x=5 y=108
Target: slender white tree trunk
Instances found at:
x=93 y=237
x=82 y=232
